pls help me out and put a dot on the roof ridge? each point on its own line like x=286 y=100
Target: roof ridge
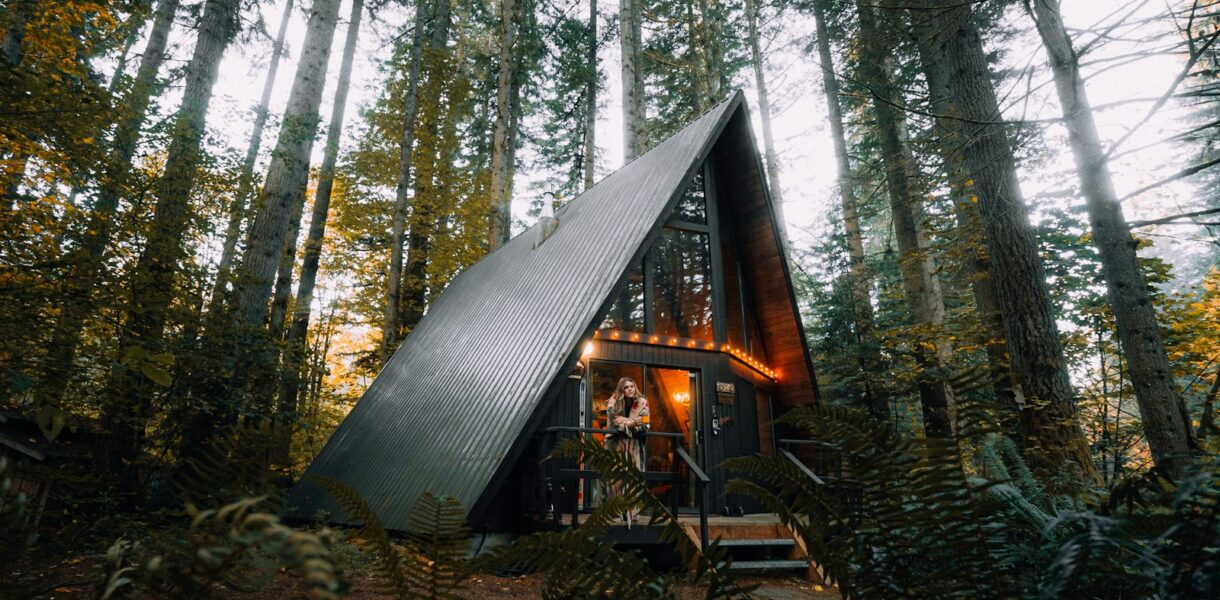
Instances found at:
x=733 y=94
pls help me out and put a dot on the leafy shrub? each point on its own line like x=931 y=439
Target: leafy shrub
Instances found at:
x=235 y=547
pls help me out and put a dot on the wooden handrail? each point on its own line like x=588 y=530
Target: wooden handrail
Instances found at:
x=788 y=442
x=565 y=429
x=800 y=465
x=701 y=481
x=694 y=468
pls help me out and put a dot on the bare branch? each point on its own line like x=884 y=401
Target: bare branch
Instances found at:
x=1176 y=176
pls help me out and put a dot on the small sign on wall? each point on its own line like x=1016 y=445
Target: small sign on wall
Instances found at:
x=726 y=392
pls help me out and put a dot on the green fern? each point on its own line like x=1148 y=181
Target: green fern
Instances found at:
x=235 y=547
x=231 y=464
x=578 y=564
x=433 y=564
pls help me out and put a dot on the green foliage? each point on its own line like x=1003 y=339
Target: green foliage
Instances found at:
x=233 y=548
x=965 y=518
x=433 y=562
x=230 y=464
x=578 y=564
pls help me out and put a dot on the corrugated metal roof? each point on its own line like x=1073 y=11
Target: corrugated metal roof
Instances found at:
x=446 y=409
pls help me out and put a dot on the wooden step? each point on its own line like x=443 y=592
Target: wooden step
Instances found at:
x=757 y=542
x=768 y=565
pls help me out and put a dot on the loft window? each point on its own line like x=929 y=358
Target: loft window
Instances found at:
x=692 y=208
x=627 y=312
x=681 y=279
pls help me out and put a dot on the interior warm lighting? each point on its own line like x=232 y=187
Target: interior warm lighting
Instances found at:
x=682 y=398
x=588 y=351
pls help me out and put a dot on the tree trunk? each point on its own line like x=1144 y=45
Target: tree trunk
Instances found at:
x=294 y=345
x=928 y=26
x=279 y=205
x=501 y=214
x=423 y=220
x=764 y=103
x=283 y=273
x=876 y=400
x=88 y=257
x=1161 y=411
x=245 y=186
x=590 y=155
x=633 y=78
x=152 y=281
x=1053 y=441
x=390 y=333
x=288 y=173
x=919 y=273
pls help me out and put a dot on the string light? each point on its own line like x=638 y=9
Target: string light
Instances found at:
x=738 y=353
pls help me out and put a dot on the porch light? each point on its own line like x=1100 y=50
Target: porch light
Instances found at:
x=588 y=350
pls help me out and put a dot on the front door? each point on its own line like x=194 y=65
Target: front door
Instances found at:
x=674 y=402
x=673 y=399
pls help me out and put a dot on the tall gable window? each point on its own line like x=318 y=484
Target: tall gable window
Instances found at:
x=672 y=293
x=681 y=268
x=627 y=313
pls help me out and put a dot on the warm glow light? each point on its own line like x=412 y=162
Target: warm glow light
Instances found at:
x=672 y=341
x=588 y=351
x=635 y=336
x=595 y=334
x=614 y=335
x=653 y=339
x=682 y=398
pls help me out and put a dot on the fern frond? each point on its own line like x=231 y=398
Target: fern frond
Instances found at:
x=389 y=565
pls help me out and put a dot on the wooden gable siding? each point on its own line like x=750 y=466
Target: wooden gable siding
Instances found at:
x=764 y=267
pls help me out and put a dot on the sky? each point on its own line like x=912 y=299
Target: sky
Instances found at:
x=807 y=173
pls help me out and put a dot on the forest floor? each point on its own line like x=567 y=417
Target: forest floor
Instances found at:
x=82 y=577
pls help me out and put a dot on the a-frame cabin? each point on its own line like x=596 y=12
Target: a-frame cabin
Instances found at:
x=672 y=271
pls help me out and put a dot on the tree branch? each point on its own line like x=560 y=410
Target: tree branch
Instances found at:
x=1176 y=176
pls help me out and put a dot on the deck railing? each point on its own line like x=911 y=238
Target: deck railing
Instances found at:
x=826 y=470
x=564 y=492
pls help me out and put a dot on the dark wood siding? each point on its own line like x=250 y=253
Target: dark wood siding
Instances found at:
x=761 y=252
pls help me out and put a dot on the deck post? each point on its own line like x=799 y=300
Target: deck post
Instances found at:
x=702 y=488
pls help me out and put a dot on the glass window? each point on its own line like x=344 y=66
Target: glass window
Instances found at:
x=627 y=312
x=692 y=208
x=735 y=327
x=681 y=285
x=757 y=350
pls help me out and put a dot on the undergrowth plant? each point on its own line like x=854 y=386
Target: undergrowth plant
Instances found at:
x=579 y=564
x=431 y=563
x=963 y=517
x=232 y=548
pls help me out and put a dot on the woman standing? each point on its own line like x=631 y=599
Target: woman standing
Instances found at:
x=627 y=418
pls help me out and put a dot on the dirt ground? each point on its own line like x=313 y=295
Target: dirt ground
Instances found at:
x=480 y=587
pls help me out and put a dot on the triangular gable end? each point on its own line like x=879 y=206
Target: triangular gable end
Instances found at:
x=449 y=411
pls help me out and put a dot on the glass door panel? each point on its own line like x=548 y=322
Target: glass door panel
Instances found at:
x=672 y=399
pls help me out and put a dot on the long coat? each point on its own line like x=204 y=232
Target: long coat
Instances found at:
x=628 y=440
